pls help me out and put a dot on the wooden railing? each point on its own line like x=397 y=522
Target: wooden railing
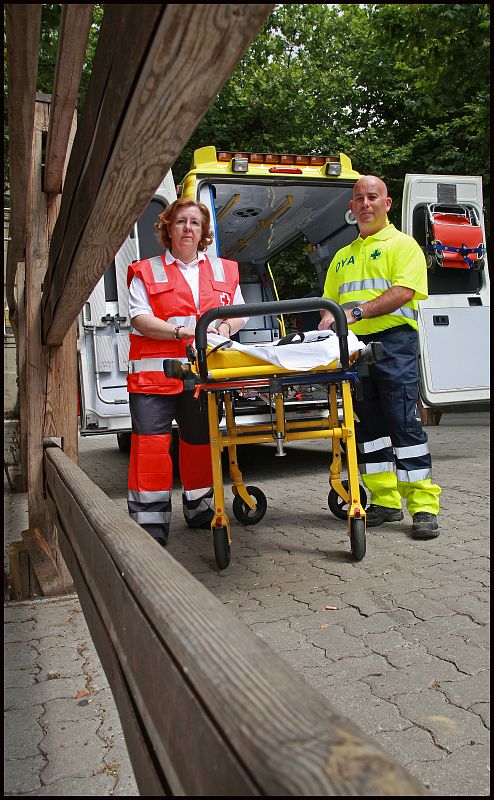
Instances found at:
x=207 y=708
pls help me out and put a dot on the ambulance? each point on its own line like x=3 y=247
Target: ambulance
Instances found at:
x=260 y=204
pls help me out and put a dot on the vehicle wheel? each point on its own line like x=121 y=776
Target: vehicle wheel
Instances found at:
x=357 y=538
x=221 y=547
x=246 y=515
x=479 y=264
x=123 y=441
x=338 y=506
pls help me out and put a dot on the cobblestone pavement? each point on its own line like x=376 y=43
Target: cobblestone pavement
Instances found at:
x=397 y=642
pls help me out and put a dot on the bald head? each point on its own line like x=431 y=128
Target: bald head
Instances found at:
x=370 y=181
x=370 y=204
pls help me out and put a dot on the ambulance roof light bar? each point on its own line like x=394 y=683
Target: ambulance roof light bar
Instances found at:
x=240 y=161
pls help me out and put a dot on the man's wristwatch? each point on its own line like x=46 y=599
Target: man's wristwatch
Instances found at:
x=357 y=313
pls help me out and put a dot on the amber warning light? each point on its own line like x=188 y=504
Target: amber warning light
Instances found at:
x=281 y=159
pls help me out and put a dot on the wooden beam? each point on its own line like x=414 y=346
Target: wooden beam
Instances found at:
x=189 y=54
x=225 y=703
x=21 y=347
x=50 y=374
x=75 y=25
x=22 y=30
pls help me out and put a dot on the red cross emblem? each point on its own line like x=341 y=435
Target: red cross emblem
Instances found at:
x=225 y=299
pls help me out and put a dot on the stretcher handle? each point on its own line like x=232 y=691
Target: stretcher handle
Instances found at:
x=264 y=309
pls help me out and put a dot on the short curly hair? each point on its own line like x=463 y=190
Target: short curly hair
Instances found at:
x=169 y=214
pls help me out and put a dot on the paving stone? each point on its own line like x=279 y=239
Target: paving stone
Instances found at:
x=83 y=750
x=468 y=690
x=451 y=727
x=408 y=623
x=28 y=732
x=21 y=775
x=92 y=786
x=427 y=674
x=416 y=745
x=43 y=692
x=470 y=767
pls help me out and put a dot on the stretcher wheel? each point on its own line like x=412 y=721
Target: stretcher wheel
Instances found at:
x=338 y=506
x=246 y=515
x=221 y=547
x=357 y=538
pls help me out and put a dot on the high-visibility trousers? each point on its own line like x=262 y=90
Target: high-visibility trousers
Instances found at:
x=150 y=469
x=393 y=450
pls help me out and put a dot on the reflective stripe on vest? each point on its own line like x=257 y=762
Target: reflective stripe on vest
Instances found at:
x=218 y=268
x=188 y=322
x=375 y=284
x=158 y=270
x=371 y=283
x=149 y=365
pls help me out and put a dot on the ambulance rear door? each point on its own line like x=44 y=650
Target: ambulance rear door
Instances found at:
x=104 y=327
x=454 y=320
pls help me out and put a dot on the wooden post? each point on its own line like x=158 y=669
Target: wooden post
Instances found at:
x=50 y=373
x=20 y=304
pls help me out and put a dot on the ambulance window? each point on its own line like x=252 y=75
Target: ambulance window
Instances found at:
x=443 y=280
x=149 y=245
x=111 y=294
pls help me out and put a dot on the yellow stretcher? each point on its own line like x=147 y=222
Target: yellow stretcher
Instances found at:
x=222 y=373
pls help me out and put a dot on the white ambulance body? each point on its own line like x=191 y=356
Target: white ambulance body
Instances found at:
x=454 y=321
x=256 y=214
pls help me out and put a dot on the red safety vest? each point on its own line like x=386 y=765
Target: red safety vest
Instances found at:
x=171 y=299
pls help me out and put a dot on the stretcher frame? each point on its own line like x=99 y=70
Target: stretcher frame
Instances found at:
x=249 y=504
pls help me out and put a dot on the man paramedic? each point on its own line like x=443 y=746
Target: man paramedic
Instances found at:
x=378 y=279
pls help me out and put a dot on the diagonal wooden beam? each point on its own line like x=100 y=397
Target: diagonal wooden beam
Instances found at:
x=75 y=25
x=191 y=52
x=23 y=30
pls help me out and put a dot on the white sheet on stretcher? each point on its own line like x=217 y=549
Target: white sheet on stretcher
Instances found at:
x=317 y=349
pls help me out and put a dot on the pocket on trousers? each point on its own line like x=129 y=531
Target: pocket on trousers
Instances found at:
x=411 y=396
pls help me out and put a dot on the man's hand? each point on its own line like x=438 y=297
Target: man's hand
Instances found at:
x=327 y=320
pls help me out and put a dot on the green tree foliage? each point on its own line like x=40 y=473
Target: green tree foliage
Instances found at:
x=398 y=88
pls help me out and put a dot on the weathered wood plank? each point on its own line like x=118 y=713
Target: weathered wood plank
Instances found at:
x=75 y=25
x=123 y=40
x=217 y=704
x=23 y=24
x=51 y=385
x=174 y=86
x=49 y=577
x=21 y=347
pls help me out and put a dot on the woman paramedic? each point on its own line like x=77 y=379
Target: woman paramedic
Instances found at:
x=167 y=294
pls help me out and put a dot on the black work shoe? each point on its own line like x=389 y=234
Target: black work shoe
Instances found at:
x=424 y=525
x=376 y=515
x=201 y=521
